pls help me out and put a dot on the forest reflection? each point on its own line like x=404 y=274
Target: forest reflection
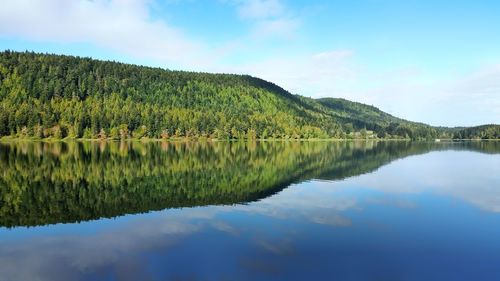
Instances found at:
x=60 y=182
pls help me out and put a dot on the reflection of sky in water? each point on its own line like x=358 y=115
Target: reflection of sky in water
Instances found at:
x=427 y=217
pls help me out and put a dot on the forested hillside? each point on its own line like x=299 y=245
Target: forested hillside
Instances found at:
x=478 y=132
x=385 y=125
x=71 y=97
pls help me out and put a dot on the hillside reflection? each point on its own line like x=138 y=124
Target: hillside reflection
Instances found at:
x=46 y=183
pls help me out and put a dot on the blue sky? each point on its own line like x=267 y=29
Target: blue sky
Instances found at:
x=431 y=61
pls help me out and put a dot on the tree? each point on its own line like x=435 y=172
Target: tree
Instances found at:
x=114 y=133
x=363 y=133
x=87 y=133
x=165 y=134
x=123 y=130
x=102 y=134
x=140 y=132
x=348 y=128
x=251 y=134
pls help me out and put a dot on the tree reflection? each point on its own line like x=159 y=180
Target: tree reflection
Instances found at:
x=45 y=183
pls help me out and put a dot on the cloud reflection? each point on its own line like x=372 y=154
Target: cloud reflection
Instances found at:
x=468 y=176
x=73 y=257
x=121 y=250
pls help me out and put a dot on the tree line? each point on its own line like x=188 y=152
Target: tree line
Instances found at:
x=55 y=96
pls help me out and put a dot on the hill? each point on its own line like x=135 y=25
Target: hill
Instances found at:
x=489 y=131
x=57 y=96
x=369 y=117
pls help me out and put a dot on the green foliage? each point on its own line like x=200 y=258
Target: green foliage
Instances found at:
x=87 y=133
x=63 y=96
x=140 y=132
x=479 y=132
x=114 y=134
x=86 y=98
x=358 y=117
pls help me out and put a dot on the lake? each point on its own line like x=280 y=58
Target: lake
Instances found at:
x=250 y=211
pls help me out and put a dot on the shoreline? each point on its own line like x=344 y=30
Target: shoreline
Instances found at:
x=18 y=139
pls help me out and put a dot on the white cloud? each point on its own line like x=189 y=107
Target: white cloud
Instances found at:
x=268 y=18
x=462 y=100
x=474 y=97
x=281 y=27
x=259 y=9
x=333 y=55
x=322 y=74
x=482 y=82
x=127 y=27
x=119 y=25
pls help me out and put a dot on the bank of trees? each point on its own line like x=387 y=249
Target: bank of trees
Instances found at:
x=70 y=97
x=478 y=132
x=61 y=96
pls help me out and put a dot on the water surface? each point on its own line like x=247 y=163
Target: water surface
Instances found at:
x=250 y=211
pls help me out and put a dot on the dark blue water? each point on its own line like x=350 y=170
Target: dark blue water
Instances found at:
x=431 y=215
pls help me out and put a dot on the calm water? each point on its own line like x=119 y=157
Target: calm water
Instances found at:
x=257 y=211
